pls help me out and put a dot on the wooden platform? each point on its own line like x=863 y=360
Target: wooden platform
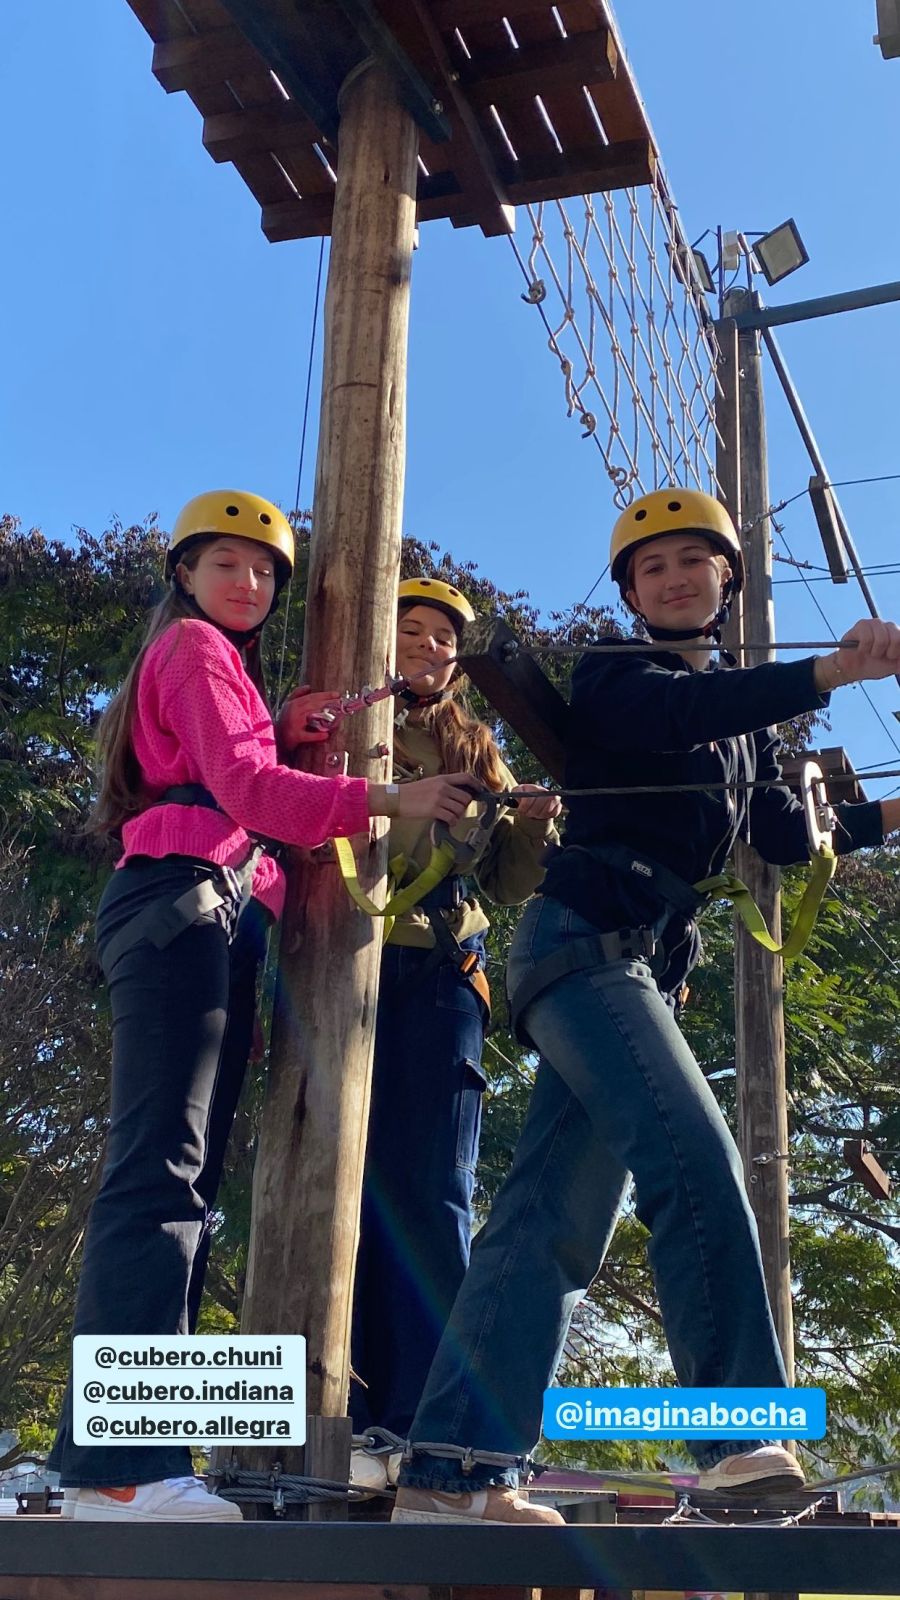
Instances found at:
x=43 y=1558
x=509 y=112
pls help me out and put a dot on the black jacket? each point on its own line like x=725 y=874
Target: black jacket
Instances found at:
x=644 y=718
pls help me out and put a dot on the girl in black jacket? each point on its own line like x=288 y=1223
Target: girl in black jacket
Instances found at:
x=595 y=968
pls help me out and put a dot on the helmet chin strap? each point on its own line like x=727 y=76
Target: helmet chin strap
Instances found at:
x=711 y=630
x=411 y=699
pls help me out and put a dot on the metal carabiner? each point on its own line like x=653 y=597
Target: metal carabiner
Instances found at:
x=474 y=841
x=817 y=811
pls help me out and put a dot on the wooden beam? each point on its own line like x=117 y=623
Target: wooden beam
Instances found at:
x=66 y=1560
x=552 y=176
x=262 y=128
x=495 y=76
x=438 y=196
x=298 y=219
x=449 y=14
x=571 y=109
x=829 y=525
x=841 y=782
x=310 y=63
x=414 y=91
x=515 y=686
x=866 y=1168
x=203 y=60
x=162 y=19
x=473 y=161
x=759 y=977
x=308 y=1175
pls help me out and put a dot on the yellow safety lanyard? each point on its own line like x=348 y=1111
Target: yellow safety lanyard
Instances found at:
x=448 y=854
x=820 y=833
x=441 y=862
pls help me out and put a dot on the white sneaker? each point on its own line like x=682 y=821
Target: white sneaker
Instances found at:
x=768 y=1470
x=375 y=1473
x=171 y=1500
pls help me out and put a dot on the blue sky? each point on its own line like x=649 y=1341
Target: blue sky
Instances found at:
x=156 y=345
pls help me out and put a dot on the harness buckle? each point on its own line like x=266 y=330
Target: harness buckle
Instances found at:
x=636 y=944
x=473 y=843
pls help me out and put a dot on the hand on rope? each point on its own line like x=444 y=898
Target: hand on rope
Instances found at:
x=542 y=805
x=868 y=651
x=445 y=799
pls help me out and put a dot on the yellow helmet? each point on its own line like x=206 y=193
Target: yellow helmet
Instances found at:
x=674 y=510
x=237 y=515
x=443 y=596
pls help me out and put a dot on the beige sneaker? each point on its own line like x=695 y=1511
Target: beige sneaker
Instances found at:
x=497 y=1506
x=767 y=1470
x=375 y=1473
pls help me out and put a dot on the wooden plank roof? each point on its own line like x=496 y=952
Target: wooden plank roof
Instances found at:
x=516 y=100
x=841 y=782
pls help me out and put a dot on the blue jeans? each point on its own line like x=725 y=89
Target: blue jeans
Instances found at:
x=617 y=1092
x=182 y=1029
x=416 y=1222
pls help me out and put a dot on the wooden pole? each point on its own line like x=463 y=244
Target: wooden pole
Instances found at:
x=759 y=976
x=308 y=1177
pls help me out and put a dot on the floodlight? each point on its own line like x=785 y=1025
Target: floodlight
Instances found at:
x=780 y=252
x=702 y=269
x=693 y=267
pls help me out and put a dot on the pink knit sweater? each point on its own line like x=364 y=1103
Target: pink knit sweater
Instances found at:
x=199 y=719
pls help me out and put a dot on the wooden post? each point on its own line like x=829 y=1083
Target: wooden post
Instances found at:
x=759 y=976
x=308 y=1177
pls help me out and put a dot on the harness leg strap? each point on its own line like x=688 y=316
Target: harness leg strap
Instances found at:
x=164 y=920
x=596 y=950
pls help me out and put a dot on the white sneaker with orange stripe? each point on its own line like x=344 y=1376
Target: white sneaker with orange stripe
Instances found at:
x=171 y=1500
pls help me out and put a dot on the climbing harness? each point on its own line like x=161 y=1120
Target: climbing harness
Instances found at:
x=642 y=944
x=450 y=859
x=441 y=861
x=448 y=854
x=221 y=890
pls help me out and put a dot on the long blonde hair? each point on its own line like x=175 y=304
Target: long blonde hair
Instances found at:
x=465 y=744
x=122 y=792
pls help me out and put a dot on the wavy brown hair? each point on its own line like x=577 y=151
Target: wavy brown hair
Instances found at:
x=122 y=790
x=466 y=745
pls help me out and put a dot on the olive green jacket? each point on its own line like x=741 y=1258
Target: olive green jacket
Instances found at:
x=508 y=871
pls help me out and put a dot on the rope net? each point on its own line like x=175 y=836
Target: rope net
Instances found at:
x=626 y=318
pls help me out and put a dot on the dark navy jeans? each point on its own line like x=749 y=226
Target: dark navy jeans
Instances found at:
x=415 y=1226
x=617 y=1092
x=182 y=1029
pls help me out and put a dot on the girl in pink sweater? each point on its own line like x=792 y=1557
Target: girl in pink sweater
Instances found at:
x=193 y=787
